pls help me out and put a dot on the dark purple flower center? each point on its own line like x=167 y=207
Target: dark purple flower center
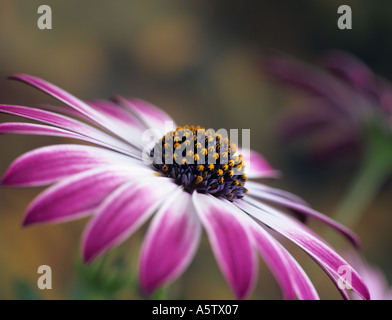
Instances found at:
x=201 y=160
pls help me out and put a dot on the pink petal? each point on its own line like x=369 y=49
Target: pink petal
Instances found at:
x=256 y=166
x=150 y=115
x=230 y=241
x=131 y=128
x=49 y=164
x=71 y=101
x=304 y=238
x=77 y=195
x=258 y=187
x=255 y=190
x=117 y=113
x=39 y=129
x=123 y=211
x=312 y=81
x=288 y=273
x=170 y=243
x=352 y=70
x=64 y=122
x=315 y=116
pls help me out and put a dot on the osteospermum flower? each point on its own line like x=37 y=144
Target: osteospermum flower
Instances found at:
x=343 y=97
x=187 y=180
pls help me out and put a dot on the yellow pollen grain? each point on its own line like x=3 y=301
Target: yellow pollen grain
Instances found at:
x=200 y=167
x=165 y=168
x=196 y=157
x=198 y=145
x=211 y=167
x=219 y=172
x=211 y=149
x=231 y=163
x=216 y=156
x=221 y=180
x=204 y=151
x=231 y=173
x=177 y=145
x=199 y=179
x=225 y=167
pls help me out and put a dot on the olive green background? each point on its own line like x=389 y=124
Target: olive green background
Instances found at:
x=199 y=61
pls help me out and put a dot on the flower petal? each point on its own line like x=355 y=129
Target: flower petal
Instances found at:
x=230 y=241
x=124 y=210
x=311 y=81
x=288 y=273
x=305 y=239
x=353 y=70
x=170 y=243
x=49 y=164
x=77 y=195
x=130 y=126
x=150 y=115
x=302 y=284
x=66 y=123
x=39 y=129
x=256 y=166
x=254 y=190
x=117 y=113
x=255 y=186
x=71 y=101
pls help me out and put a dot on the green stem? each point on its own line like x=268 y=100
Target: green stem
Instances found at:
x=160 y=294
x=376 y=167
x=363 y=191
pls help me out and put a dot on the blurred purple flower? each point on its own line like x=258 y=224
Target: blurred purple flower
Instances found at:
x=110 y=181
x=340 y=101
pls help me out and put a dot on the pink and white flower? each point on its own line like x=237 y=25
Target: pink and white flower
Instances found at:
x=109 y=181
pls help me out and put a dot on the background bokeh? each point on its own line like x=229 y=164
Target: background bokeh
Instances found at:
x=199 y=61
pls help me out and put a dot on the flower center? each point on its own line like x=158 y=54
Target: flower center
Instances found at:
x=201 y=160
